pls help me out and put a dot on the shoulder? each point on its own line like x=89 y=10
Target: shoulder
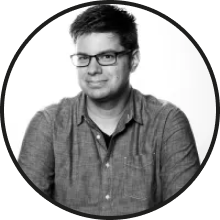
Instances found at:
x=159 y=110
x=165 y=112
x=61 y=111
x=154 y=106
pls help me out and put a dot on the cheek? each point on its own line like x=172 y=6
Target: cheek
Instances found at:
x=121 y=74
x=118 y=76
x=115 y=77
x=81 y=80
x=80 y=74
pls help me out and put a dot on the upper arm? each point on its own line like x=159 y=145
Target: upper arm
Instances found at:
x=36 y=157
x=179 y=160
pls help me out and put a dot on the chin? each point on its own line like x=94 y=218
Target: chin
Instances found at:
x=98 y=94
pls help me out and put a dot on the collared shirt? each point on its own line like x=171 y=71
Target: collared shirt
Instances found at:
x=152 y=154
x=107 y=138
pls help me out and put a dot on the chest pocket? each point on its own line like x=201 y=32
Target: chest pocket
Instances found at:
x=138 y=176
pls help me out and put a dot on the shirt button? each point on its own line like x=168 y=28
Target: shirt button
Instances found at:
x=98 y=136
x=107 y=165
x=107 y=197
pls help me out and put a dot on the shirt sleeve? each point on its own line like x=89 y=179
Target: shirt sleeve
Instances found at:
x=36 y=157
x=180 y=159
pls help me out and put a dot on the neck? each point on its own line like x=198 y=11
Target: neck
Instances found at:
x=109 y=109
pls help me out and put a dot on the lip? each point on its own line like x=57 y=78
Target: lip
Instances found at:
x=96 y=83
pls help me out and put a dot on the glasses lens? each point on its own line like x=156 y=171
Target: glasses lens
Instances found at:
x=80 y=60
x=107 y=58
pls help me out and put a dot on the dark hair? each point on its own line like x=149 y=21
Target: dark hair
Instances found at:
x=104 y=19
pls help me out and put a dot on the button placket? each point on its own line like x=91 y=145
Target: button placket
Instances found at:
x=99 y=139
x=107 y=174
x=107 y=197
x=107 y=165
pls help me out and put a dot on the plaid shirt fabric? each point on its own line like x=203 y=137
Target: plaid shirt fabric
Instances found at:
x=152 y=154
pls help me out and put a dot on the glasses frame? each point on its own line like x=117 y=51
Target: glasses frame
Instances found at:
x=124 y=52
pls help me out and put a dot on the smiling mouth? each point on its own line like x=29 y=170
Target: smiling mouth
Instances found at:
x=99 y=83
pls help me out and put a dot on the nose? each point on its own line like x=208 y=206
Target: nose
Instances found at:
x=94 y=68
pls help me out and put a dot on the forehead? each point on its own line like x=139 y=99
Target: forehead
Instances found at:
x=95 y=43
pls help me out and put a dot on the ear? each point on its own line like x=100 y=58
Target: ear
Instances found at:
x=135 y=59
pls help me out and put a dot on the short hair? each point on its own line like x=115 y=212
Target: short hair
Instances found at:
x=107 y=19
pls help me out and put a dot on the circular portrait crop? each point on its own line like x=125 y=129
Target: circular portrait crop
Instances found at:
x=118 y=110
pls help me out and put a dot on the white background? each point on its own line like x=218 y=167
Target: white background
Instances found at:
x=171 y=68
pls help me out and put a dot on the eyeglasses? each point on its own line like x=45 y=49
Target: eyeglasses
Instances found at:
x=103 y=59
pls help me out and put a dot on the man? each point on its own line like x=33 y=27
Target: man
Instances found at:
x=110 y=150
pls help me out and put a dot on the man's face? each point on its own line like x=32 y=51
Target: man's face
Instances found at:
x=102 y=82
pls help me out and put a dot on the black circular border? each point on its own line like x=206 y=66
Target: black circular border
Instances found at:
x=128 y=3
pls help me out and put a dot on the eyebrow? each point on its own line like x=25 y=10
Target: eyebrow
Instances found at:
x=101 y=52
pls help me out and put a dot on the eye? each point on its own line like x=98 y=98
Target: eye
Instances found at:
x=107 y=56
x=82 y=57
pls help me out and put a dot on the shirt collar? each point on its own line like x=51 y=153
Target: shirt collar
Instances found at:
x=133 y=108
x=81 y=107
